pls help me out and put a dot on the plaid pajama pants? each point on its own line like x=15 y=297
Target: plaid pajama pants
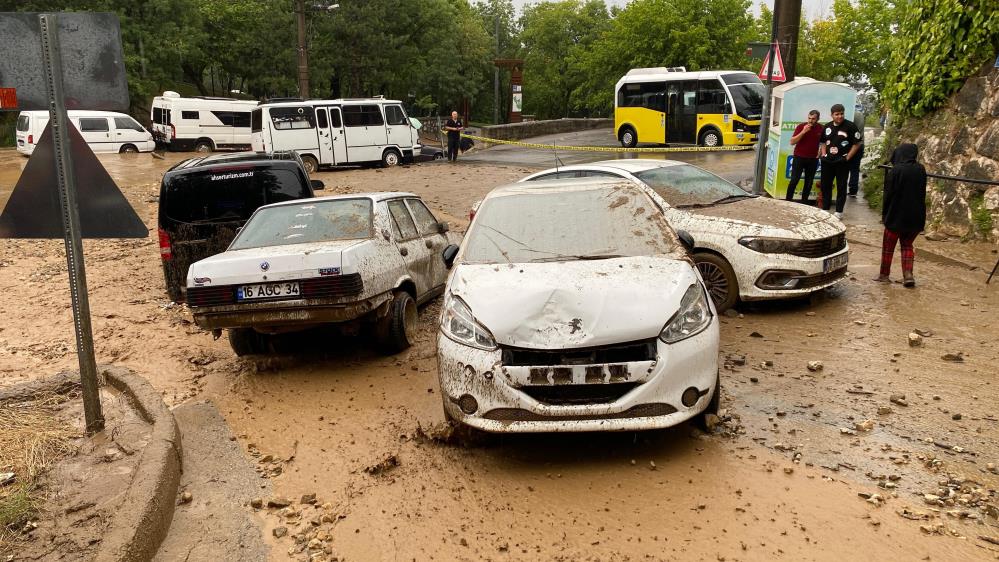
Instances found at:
x=888 y=250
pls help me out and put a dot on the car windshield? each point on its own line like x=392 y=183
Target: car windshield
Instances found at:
x=748 y=100
x=310 y=221
x=565 y=225
x=690 y=186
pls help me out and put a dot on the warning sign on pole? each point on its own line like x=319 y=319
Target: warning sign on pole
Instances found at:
x=778 y=66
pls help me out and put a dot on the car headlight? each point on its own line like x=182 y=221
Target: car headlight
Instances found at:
x=770 y=245
x=458 y=324
x=692 y=318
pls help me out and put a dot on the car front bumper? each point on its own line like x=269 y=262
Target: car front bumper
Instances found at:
x=652 y=401
x=810 y=272
x=285 y=314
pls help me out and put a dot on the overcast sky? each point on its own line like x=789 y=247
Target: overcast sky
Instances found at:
x=812 y=9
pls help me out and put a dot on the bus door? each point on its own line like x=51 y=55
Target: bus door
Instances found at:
x=681 y=112
x=332 y=144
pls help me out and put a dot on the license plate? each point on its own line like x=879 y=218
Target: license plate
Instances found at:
x=835 y=262
x=267 y=291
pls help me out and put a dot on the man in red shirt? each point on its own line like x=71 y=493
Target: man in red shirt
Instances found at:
x=806 y=155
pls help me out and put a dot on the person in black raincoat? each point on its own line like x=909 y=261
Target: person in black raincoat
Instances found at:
x=903 y=212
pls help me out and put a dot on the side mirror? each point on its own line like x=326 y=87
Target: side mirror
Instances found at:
x=449 y=254
x=317 y=185
x=686 y=239
x=442 y=227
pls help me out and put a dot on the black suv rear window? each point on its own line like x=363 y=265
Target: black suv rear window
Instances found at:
x=229 y=195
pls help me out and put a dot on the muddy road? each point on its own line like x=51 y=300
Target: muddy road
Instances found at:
x=778 y=480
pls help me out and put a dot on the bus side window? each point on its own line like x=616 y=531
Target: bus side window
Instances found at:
x=711 y=97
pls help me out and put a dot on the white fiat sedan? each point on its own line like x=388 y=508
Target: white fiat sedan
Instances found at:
x=571 y=306
x=747 y=247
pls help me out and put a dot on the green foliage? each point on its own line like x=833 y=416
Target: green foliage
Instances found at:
x=980 y=216
x=940 y=44
x=16 y=506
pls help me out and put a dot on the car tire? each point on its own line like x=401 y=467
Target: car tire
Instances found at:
x=710 y=138
x=438 y=156
x=713 y=406
x=246 y=341
x=396 y=331
x=310 y=163
x=128 y=149
x=174 y=293
x=720 y=279
x=204 y=145
x=628 y=137
x=390 y=158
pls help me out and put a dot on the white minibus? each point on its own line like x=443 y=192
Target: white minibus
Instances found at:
x=336 y=132
x=202 y=124
x=104 y=131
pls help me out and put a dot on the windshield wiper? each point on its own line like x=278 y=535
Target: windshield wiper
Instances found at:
x=581 y=258
x=733 y=197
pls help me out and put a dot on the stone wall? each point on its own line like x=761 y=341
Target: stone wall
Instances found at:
x=962 y=139
x=516 y=131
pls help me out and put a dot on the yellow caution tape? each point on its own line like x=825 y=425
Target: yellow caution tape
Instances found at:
x=610 y=148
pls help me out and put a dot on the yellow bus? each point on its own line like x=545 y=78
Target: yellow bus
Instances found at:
x=670 y=106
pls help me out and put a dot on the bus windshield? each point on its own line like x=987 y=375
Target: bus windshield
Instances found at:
x=748 y=100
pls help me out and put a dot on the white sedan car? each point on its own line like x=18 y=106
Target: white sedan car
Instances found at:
x=349 y=260
x=571 y=306
x=745 y=246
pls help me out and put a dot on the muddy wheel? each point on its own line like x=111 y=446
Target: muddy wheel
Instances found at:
x=720 y=279
x=128 y=149
x=204 y=145
x=628 y=137
x=246 y=341
x=711 y=137
x=712 y=408
x=310 y=163
x=390 y=158
x=397 y=331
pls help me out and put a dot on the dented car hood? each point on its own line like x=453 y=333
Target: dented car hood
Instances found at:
x=556 y=305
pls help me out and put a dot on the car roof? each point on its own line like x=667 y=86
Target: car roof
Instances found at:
x=377 y=197
x=234 y=158
x=558 y=186
x=630 y=165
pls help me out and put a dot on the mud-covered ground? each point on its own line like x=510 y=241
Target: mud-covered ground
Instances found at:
x=779 y=480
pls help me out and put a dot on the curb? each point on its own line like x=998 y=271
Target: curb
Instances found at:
x=60 y=383
x=143 y=520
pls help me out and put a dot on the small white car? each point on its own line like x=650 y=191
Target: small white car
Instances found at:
x=747 y=247
x=352 y=260
x=571 y=306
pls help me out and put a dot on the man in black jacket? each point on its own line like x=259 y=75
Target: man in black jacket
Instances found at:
x=838 y=146
x=453 y=126
x=903 y=212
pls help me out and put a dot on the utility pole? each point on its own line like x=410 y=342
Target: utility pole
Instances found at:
x=789 y=17
x=496 y=97
x=303 y=54
x=764 y=134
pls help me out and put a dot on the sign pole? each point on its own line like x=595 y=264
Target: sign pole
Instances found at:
x=65 y=178
x=764 y=134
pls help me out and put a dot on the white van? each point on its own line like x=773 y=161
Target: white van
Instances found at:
x=202 y=124
x=336 y=132
x=104 y=131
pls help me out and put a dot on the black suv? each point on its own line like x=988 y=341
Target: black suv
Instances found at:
x=205 y=201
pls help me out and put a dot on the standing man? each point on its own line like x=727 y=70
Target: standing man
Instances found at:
x=839 y=144
x=454 y=126
x=806 y=155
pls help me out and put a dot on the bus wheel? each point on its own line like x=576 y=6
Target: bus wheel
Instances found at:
x=203 y=145
x=628 y=137
x=711 y=137
x=311 y=165
x=390 y=158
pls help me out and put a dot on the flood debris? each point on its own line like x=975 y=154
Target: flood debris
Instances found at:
x=815 y=366
x=898 y=399
x=915 y=340
x=953 y=357
x=388 y=463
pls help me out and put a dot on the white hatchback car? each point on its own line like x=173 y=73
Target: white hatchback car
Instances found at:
x=571 y=306
x=747 y=247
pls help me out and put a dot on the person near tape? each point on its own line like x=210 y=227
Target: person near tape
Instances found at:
x=806 y=155
x=838 y=146
x=903 y=211
x=453 y=126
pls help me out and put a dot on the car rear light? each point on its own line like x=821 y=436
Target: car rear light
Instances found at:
x=173 y=131
x=31 y=139
x=166 y=251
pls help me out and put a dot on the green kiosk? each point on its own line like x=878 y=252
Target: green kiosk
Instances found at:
x=791 y=104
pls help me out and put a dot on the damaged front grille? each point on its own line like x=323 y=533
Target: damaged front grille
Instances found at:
x=820 y=248
x=639 y=411
x=575 y=394
x=821 y=279
x=618 y=353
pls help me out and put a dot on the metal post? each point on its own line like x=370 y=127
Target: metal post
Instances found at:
x=496 y=95
x=764 y=134
x=66 y=181
x=303 y=55
x=787 y=35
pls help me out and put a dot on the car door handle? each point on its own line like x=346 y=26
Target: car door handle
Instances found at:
x=404 y=251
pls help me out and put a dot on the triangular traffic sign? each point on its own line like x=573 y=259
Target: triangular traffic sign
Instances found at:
x=34 y=211
x=779 y=75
